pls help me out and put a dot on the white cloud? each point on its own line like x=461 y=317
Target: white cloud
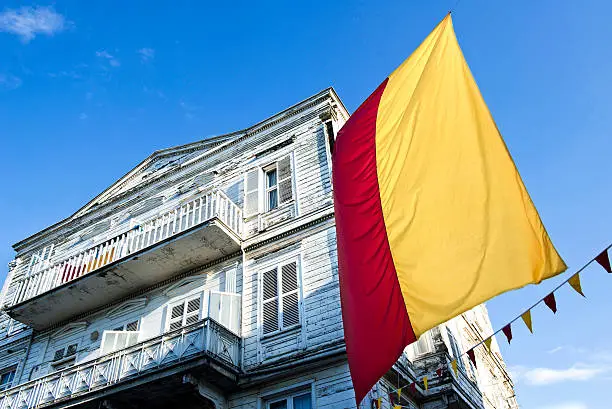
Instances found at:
x=83 y=116
x=547 y=376
x=108 y=57
x=554 y=350
x=27 y=22
x=567 y=405
x=146 y=54
x=8 y=81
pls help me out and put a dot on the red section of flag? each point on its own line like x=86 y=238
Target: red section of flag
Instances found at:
x=507 y=332
x=439 y=372
x=372 y=301
x=604 y=261
x=550 y=301
x=472 y=357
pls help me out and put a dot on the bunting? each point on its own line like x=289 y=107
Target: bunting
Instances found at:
x=574 y=281
x=526 y=316
x=549 y=300
x=508 y=332
x=604 y=261
x=487 y=343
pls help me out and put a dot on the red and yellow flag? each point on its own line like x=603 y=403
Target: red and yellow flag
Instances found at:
x=432 y=216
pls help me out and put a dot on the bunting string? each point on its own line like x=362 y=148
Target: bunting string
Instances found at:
x=549 y=300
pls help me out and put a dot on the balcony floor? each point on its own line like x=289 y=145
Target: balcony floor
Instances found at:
x=190 y=249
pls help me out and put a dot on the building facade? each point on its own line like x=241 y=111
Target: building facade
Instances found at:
x=207 y=277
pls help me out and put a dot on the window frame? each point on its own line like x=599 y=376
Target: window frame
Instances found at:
x=8 y=370
x=280 y=296
x=184 y=301
x=268 y=189
x=289 y=399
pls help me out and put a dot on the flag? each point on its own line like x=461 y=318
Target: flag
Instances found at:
x=472 y=357
x=526 y=316
x=425 y=383
x=487 y=343
x=507 y=330
x=432 y=217
x=454 y=365
x=574 y=281
x=604 y=261
x=551 y=302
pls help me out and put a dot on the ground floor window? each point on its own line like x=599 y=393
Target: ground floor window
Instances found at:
x=300 y=400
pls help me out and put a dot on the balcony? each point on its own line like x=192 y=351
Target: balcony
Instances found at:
x=199 y=232
x=206 y=344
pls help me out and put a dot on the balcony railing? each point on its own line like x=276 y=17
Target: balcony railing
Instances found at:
x=205 y=207
x=206 y=337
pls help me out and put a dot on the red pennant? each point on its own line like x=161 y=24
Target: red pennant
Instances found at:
x=550 y=301
x=604 y=261
x=392 y=399
x=472 y=357
x=439 y=372
x=413 y=387
x=507 y=332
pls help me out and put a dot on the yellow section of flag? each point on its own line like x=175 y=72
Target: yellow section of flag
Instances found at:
x=460 y=224
x=526 y=316
x=574 y=281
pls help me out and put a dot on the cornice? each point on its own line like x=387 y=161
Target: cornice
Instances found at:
x=288 y=114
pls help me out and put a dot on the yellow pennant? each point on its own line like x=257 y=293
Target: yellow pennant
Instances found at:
x=454 y=365
x=425 y=382
x=527 y=320
x=397 y=407
x=379 y=400
x=487 y=343
x=574 y=281
x=399 y=394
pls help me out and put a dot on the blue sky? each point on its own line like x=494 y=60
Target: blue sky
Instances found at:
x=89 y=90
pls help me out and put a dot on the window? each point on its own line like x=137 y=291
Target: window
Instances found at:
x=277 y=187
x=454 y=348
x=65 y=352
x=280 y=298
x=423 y=345
x=301 y=400
x=185 y=313
x=6 y=377
x=271 y=188
x=131 y=326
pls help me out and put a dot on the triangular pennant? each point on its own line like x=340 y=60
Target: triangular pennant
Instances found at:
x=550 y=301
x=379 y=403
x=425 y=382
x=604 y=261
x=439 y=372
x=454 y=366
x=507 y=330
x=397 y=407
x=487 y=343
x=526 y=316
x=574 y=281
x=392 y=398
x=472 y=357
x=399 y=395
x=413 y=387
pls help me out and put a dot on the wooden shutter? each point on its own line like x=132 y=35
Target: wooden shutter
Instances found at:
x=176 y=317
x=192 y=313
x=270 y=301
x=251 y=193
x=285 y=184
x=291 y=308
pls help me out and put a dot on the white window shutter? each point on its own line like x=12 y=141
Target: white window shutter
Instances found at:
x=251 y=193
x=291 y=308
x=285 y=184
x=270 y=301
